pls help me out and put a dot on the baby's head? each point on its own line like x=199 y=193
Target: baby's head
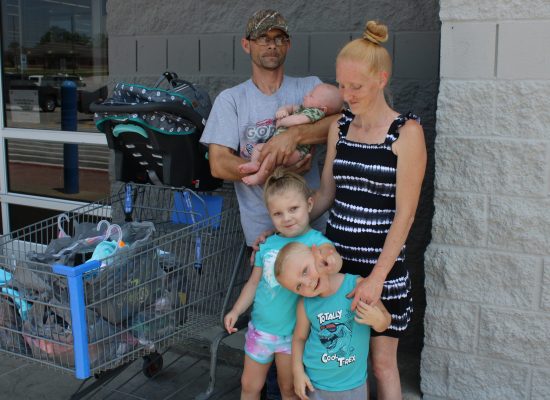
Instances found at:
x=295 y=269
x=325 y=97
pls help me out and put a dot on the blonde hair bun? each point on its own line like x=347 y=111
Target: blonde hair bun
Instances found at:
x=375 y=32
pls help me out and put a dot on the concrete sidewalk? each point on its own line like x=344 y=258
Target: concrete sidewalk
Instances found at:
x=185 y=375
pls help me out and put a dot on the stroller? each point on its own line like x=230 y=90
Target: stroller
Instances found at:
x=155 y=133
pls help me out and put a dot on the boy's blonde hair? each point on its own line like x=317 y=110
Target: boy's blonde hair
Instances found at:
x=290 y=249
x=282 y=180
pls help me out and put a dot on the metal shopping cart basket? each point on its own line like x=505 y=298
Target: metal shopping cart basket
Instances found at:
x=82 y=297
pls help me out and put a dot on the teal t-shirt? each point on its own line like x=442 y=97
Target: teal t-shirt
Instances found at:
x=274 y=309
x=336 y=351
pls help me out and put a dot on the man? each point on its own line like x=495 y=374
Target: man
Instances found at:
x=245 y=115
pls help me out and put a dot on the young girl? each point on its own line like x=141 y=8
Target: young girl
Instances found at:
x=330 y=340
x=288 y=200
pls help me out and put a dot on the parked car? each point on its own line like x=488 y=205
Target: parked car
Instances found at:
x=47 y=95
x=49 y=90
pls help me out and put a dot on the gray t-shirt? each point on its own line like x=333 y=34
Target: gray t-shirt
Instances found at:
x=243 y=116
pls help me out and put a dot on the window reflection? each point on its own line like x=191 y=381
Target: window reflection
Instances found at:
x=37 y=167
x=46 y=42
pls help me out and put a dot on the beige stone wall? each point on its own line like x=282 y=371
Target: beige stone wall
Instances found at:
x=487 y=325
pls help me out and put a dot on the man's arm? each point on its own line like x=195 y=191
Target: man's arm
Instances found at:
x=224 y=162
x=283 y=145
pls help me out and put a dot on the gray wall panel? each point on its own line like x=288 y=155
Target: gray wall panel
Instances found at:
x=297 y=58
x=242 y=60
x=122 y=55
x=183 y=54
x=324 y=48
x=216 y=54
x=416 y=55
x=151 y=55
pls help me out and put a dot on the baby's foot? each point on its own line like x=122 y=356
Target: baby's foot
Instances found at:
x=255 y=179
x=249 y=167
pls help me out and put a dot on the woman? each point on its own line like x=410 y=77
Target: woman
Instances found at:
x=371 y=179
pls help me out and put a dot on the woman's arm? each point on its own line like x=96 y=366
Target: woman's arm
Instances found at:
x=299 y=337
x=324 y=196
x=410 y=149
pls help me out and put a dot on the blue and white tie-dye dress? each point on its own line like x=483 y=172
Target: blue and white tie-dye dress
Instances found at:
x=363 y=211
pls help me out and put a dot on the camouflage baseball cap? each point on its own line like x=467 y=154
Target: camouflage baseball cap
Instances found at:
x=263 y=21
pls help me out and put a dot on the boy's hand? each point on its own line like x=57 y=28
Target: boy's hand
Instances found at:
x=301 y=385
x=368 y=315
x=326 y=260
x=230 y=320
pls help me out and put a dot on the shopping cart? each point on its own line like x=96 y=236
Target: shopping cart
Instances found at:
x=173 y=267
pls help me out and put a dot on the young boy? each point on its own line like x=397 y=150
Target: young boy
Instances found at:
x=330 y=343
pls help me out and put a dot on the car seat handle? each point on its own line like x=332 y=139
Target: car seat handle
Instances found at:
x=168 y=76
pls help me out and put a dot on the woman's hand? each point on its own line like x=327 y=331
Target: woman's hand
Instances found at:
x=259 y=240
x=368 y=290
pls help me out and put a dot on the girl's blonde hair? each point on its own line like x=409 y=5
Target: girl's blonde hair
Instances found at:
x=368 y=49
x=281 y=181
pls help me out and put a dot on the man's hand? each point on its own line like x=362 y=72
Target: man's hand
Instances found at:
x=302 y=166
x=280 y=147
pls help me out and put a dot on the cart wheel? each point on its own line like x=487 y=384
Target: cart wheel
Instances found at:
x=152 y=364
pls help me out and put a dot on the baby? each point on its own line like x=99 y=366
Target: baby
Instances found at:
x=330 y=343
x=323 y=100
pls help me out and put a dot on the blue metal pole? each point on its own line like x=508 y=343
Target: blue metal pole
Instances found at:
x=69 y=123
x=78 y=314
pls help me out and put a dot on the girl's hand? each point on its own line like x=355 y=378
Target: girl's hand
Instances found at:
x=368 y=291
x=301 y=385
x=230 y=320
x=259 y=240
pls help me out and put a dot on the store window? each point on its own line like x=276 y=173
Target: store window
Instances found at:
x=40 y=168
x=44 y=43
